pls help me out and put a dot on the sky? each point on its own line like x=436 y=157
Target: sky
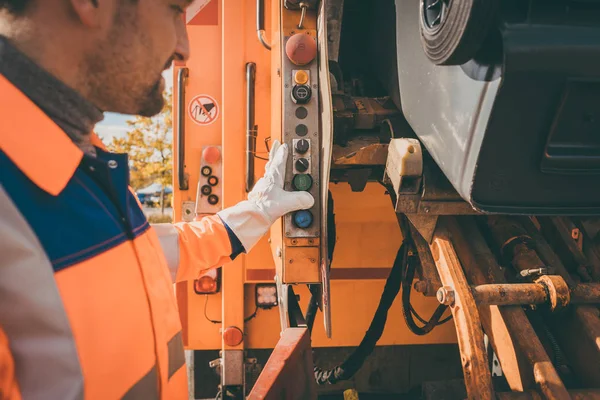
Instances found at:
x=115 y=125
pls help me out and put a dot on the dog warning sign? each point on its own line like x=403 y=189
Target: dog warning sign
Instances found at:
x=203 y=109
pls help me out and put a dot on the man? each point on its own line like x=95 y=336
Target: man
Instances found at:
x=86 y=301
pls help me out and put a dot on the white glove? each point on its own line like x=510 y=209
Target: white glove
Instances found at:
x=268 y=201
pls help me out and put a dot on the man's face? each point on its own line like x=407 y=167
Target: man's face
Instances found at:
x=125 y=66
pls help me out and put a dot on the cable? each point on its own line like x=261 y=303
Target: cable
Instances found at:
x=410 y=260
x=214 y=321
x=417 y=316
x=353 y=363
x=248 y=318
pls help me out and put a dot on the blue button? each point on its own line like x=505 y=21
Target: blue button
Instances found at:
x=303 y=219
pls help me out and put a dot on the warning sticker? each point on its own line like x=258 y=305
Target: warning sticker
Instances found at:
x=203 y=109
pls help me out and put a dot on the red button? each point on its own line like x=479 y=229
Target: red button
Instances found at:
x=301 y=49
x=211 y=155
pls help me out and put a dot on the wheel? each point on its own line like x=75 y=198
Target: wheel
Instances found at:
x=452 y=31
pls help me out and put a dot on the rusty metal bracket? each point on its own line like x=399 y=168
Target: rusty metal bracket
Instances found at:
x=558 y=291
x=477 y=376
x=521 y=353
x=419 y=184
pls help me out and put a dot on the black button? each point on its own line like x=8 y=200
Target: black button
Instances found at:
x=213 y=180
x=206 y=171
x=302 y=146
x=301 y=130
x=301 y=94
x=301 y=112
x=301 y=164
x=206 y=190
x=213 y=199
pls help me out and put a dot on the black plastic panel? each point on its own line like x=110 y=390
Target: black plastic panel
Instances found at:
x=541 y=148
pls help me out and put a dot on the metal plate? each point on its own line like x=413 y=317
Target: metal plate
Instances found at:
x=326 y=154
x=290 y=121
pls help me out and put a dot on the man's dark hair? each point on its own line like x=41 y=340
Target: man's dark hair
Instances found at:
x=14 y=6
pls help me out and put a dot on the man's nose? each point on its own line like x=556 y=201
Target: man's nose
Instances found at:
x=182 y=49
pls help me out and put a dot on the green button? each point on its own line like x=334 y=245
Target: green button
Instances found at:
x=302 y=182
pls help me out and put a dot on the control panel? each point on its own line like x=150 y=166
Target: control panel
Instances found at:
x=210 y=186
x=301 y=128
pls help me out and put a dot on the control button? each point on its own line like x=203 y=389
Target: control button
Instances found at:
x=213 y=181
x=301 y=77
x=206 y=190
x=302 y=182
x=301 y=130
x=213 y=199
x=301 y=94
x=302 y=165
x=301 y=49
x=206 y=171
x=303 y=219
x=302 y=146
x=301 y=112
x=211 y=154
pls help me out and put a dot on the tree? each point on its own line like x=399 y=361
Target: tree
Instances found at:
x=148 y=143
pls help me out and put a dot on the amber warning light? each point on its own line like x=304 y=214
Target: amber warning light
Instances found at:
x=209 y=282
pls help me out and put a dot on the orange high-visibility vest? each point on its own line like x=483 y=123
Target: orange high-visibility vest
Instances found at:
x=87 y=306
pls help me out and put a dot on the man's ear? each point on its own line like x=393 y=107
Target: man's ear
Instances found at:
x=93 y=13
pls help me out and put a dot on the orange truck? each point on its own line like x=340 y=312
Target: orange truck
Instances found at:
x=392 y=111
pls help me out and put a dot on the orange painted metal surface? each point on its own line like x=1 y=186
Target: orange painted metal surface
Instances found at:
x=288 y=375
x=367 y=230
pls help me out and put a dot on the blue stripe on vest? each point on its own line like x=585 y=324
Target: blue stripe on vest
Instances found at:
x=82 y=221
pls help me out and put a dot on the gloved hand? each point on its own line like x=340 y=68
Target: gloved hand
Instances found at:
x=268 y=201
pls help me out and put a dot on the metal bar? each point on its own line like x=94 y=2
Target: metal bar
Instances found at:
x=586 y=293
x=581 y=322
x=545 y=251
x=512 y=294
x=520 y=352
x=251 y=128
x=289 y=372
x=260 y=23
x=587 y=394
x=429 y=282
x=559 y=231
x=182 y=177
x=477 y=376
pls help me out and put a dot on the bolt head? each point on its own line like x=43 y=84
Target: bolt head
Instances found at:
x=445 y=295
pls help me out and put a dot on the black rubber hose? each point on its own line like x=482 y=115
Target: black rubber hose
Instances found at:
x=411 y=258
x=407 y=312
x=353 y=363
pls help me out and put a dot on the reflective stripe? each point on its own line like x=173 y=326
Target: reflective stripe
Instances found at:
x=145 y=389
x=32 y=313
x=176 y=354
x=169 y=241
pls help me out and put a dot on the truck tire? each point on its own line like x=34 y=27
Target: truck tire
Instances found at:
x=452 y=31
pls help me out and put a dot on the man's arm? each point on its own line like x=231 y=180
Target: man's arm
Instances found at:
x=193 y=247
x=213 y=241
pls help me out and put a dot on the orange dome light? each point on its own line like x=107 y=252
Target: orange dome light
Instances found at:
x=207 y=283
x=233 y=336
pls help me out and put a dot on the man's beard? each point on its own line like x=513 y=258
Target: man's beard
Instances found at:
x=153 y=103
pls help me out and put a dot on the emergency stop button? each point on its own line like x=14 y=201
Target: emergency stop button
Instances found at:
x=301 y=49
x=211 y=155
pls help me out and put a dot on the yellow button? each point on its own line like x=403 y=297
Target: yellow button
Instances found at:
x=301 y=77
